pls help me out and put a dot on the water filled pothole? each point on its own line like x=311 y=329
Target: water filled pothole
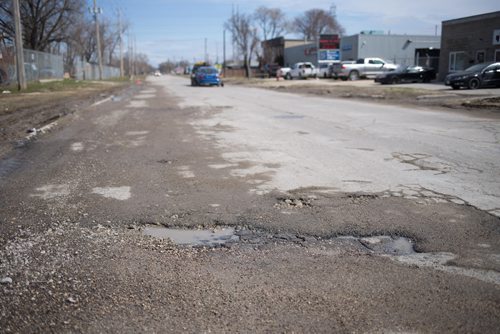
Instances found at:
x=388 y=245
x=208 y=237
x=385 y=245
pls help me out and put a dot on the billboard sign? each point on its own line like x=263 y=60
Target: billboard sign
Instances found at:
x=329 y=48
x=329 y=42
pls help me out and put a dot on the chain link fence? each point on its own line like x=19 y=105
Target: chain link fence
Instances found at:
x=87 y=71
x=41 y=66
x=37 y=65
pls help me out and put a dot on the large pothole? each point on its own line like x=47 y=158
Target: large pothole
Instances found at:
x=397 y=248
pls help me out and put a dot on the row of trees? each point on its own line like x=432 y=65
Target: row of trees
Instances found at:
x=248 y=30
x=67 y=27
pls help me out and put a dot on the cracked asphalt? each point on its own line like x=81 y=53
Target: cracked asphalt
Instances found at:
x=352 y=217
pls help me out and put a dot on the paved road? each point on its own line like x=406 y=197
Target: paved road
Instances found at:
x=350 y=146
x=314 y=253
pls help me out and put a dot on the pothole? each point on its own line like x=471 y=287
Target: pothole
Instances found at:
x=388 y=245
x=293 y=203
x=205 y=237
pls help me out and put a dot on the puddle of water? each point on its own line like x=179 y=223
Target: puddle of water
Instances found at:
x=388 y=245
x=193 y=237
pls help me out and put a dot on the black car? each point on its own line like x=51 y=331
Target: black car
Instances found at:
x=407 y=74
x=476 y=76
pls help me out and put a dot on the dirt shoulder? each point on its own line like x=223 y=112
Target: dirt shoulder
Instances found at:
x=22 y=114
x=483 y=101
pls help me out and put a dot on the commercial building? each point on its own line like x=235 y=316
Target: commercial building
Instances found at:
x=469 y=40
x=400 y=49
x=286 y=52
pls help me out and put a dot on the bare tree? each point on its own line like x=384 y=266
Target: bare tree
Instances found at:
x=271 y=21
x=44 y=22
x=244 y=36
x=315 y=22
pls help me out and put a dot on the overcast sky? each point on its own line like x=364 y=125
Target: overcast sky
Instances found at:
x=176 y=29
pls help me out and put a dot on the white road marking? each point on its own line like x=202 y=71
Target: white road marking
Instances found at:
x=51 y=191
x=137 y=104
x=136 y=133
x=119 y=193
x=77 y=147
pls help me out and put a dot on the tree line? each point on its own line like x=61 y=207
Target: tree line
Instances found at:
x=248 y=30
x=67 y=27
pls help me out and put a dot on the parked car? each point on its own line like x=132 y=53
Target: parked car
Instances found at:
x=157 y=74
x=337 y=66
x=302 y=70
x=476 y=76
x=283 y=72
x=324 y=70
x=364 y=68
x=207 y=76
x=407 y=74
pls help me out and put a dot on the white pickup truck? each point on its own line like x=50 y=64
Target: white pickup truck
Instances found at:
x=300 y=71
x=363 y=68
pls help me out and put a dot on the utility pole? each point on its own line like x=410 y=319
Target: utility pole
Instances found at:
x=98 y=37
x=206 y=54
x=129 y=41
x=135 y=55
x=224 y=52
x=121 y=42
x=21 y=77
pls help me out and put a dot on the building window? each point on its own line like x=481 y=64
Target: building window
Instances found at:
x=497 y=55
x=480 y=56
x=457 y=61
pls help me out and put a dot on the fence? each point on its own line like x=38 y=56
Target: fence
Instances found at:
x=87 y=71
x=37 y=65
x=40 y=65
x=239 y=72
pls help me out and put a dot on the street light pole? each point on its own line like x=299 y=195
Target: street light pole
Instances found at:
x=21 y=76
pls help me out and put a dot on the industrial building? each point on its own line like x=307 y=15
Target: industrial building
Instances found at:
x=400 y=49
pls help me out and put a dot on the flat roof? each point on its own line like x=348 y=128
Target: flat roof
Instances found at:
x=473 y=18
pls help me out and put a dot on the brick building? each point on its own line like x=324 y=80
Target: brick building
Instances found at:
x=287 y=52
x=469 y=40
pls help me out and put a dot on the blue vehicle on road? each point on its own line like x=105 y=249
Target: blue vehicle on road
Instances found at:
x=207 y=76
